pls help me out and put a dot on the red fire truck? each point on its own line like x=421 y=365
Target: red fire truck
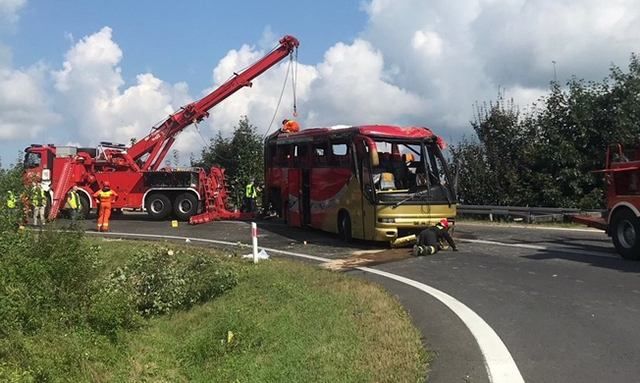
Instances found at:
x=374 y=182
x=135 y=172
x=622 y=219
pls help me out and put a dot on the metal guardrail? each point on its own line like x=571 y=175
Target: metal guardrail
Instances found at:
x=524 y=213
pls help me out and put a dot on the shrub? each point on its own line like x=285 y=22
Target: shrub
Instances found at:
x=162 y=280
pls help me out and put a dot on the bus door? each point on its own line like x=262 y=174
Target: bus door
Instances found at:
x=305 y=197
x=366 y=190
x=294 y=202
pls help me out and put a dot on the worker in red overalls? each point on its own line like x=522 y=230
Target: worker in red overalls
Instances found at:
x=290 y=126
x=104 y=197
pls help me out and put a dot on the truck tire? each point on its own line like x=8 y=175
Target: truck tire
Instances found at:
x=625 y=233
x=158 y=206
x=184 y=206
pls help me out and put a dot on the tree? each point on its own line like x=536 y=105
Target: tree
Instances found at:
x=241 y=156
x=546 y=157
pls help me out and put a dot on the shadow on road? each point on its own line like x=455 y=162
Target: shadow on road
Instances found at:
x=608 y=260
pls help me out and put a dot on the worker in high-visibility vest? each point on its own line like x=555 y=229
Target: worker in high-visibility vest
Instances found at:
x=74 y=203
x=12 y=201
x=39 y=203
x=290 y=126
x=250 y=194
x=105 y=197
x=12 y=207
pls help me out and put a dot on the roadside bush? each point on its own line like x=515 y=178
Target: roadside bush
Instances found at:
x=160 y=280
x=45 y=278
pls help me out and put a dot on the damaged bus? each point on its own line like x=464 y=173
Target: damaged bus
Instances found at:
x=374 y=182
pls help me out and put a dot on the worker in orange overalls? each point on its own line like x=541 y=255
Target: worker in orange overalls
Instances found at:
x=290 y=126
x=104 y=197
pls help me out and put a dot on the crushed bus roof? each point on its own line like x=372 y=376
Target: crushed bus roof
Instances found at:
x=390 y=131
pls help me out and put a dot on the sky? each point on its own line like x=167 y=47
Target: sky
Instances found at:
x=80 y=72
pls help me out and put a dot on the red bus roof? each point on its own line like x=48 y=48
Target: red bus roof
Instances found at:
x=383 y=131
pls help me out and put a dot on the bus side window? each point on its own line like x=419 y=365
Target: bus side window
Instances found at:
x=300 y=155
x=283 y=155
x=340 y=155
x=320 y=154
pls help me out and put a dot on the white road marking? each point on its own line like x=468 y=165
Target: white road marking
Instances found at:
x=589 y=230
x=538 y=247
x=500 y=366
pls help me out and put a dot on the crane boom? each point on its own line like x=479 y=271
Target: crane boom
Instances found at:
x=159 y=141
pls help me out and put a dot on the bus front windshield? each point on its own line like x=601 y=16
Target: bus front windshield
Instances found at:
x=411 y=172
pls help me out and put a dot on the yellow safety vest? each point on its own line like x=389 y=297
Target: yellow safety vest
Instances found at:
x=11 y=200
x=38 y=198
x=74 y=200
x=250 y=191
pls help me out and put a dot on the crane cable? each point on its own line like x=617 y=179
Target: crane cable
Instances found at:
x=294 y=83
x=284 y=85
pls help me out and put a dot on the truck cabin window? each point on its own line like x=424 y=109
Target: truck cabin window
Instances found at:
x=31 y=160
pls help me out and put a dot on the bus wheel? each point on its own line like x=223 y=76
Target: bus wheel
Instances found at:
x=185 y=205
x=344 y=226
x=158 y=206
x=625 y=232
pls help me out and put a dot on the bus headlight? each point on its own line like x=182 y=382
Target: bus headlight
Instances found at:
x=387 y=220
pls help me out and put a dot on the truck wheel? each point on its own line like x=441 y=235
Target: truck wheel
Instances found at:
x=625 y=232
x=184 y=206
x=158 y=206
x=344 y=226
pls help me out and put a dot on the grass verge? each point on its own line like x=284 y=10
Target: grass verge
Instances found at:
x=283 y=322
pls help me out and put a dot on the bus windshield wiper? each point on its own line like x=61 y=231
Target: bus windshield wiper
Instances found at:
x=413 y=195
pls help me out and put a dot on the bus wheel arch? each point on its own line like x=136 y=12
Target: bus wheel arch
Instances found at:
x=344 y=225
x=625 y=233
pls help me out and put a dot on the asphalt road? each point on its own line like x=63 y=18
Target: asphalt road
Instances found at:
x=564 y=304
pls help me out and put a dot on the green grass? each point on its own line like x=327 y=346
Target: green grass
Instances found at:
x=290 y=323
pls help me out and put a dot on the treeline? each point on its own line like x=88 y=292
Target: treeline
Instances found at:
x=545 y=156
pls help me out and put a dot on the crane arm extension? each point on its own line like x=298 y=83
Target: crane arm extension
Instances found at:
x=158 y=142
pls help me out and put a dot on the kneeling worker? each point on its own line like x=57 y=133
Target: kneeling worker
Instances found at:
x=429 y=239
x=290 y=126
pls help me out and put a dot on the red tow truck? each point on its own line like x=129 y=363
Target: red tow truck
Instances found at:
x=135 y=173
x=622 y=218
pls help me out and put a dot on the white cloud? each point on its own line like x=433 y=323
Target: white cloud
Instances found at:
x=95 y=98
x=453 y=54
x=24 y=108
x=9 y=10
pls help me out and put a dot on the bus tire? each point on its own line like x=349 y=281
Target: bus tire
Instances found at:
x=185 y=205
x=625 y=233
x=158 y=206
x=344 y=226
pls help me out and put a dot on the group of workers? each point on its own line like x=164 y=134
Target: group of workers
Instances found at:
x=35 y=201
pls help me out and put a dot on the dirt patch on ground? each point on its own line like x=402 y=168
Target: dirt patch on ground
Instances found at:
x=361 y=259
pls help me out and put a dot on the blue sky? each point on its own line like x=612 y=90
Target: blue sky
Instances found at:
x=180 y=42
x=80 y=72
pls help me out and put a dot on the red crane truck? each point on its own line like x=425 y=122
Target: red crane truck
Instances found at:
x=622 y=218
x=134 y=172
